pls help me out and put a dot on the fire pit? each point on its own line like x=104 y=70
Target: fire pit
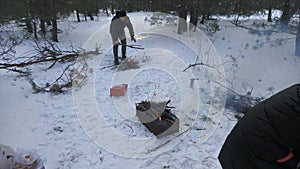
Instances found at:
x=157 y=117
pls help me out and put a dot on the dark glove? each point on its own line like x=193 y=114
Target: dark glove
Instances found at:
x=133 y=39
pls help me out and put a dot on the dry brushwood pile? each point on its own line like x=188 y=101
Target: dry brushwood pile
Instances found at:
x=128 y=64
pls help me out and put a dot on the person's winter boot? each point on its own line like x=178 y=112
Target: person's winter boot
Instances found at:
x=115 y=50
x=123 y=42
x=116 y=61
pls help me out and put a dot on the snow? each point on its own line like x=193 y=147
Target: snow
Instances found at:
x=100 y=131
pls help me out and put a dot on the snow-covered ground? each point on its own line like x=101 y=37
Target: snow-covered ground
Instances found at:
x=87 y=128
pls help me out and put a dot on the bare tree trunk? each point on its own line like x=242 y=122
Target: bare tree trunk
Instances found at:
x=106 y=11
x=85 y=16
x=202 y=19
x=54 y=29
x=48 y=22
x=236 y=20
x=193 y=20
x=77 y=15
x=28 y=25
x=184 y=26
x=42 y=26
x=35 y=30
x=270 y=14
x=112 y=10
x=179 y=27
x=285 y=17
x=91 y=16
x=207 y=16
x=182 y=14
x=297 y=53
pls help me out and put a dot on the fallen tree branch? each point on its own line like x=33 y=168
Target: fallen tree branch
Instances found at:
x=49 y=53
x=196 y=64
x=69 y=77
x=38 y=60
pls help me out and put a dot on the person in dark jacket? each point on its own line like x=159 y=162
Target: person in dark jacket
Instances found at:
x=268 y=136
x=118 y=23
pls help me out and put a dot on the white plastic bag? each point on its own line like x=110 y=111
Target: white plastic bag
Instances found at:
x=27 y=159
x=6 y=156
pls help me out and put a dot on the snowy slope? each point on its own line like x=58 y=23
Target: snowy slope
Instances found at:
x=28 y=120
x=258 y=55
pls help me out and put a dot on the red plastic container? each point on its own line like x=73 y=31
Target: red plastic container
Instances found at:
x=118 y=90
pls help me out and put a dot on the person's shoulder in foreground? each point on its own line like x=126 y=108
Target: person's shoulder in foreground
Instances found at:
x=268 y=136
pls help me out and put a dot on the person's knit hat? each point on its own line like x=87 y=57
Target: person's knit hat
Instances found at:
x=122 y=13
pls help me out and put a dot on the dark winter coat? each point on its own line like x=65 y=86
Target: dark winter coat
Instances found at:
x=117 y=28
x=268 y=136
